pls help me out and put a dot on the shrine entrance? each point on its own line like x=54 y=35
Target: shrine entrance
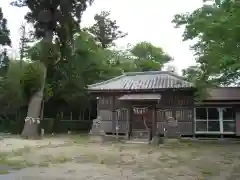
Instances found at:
x=141 y=113
x=142 y=121
x=142 y=117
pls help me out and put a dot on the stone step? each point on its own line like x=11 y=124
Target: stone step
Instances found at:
x=136 y=141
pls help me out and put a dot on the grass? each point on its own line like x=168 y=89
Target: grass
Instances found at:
x=3 y=172
x=14 y=164
x=203 y=160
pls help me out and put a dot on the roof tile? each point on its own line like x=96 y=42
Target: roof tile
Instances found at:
x=142 y=80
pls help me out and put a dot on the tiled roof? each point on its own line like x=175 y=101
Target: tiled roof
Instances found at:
x=223 y=93
x=142 y=81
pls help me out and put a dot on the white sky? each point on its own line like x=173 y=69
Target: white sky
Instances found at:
x=143 y=20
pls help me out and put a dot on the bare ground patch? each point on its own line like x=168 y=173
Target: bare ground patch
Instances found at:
x=78 y=159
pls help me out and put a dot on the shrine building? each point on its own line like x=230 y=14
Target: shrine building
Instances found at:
x=131 y=103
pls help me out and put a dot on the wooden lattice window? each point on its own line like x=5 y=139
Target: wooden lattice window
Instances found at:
x=168 y=114
x=160 y=115
x=184 y=115
x=106 y=100
x=163 y=114
x=122 y=114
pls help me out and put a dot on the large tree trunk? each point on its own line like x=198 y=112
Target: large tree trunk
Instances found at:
x=32 y=121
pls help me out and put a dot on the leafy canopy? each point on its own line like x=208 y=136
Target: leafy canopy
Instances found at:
x=216 y=29
x=149 y=57
x=4 y=32
x=106 y=30
x=55 y=17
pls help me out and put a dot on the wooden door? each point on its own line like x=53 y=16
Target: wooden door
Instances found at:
x=138 y=122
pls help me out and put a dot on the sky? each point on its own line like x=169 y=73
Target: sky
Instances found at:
x=143 y=20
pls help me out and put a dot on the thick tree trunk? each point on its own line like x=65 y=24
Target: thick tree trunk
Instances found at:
x=32 y=121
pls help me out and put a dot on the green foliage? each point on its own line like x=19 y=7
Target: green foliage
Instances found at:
x=148 y=65
x=216 y=29
x=149 y=57
x=147 y=51
x=25 y=40
x=113 y=63
x=105 y=29
x=74 y=58
x=4 y=40
x=4 y=63
x=44 y=51
x=11 y=92
x=32 y=78
x=4 y=32
x=48 y=91
x=56 y=17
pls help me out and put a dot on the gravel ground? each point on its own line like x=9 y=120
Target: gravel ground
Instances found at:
x=68 y=158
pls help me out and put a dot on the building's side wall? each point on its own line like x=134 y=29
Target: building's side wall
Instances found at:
x=177 y=104
x=112 y=113
x=105 y=112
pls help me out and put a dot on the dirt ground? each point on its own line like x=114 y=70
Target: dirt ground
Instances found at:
x=74 y=158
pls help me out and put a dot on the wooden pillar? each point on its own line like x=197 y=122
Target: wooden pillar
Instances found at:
x=192 y=105
x=193 y=121
x=154 y=121
x=130 y=113
x=114 y=115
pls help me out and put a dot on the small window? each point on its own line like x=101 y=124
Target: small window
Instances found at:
x=201 y=113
